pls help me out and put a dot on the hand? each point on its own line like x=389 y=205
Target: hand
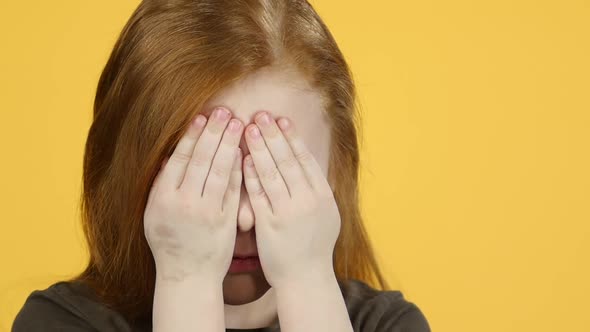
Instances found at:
x=297 y=218
x=190 y=219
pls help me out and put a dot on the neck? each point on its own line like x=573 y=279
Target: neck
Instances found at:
x=257 y=314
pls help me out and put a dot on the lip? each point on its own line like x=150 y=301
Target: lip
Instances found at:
x=254 y=255
x=242 y=265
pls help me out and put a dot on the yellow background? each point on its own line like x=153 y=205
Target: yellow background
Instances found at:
x=476 y=150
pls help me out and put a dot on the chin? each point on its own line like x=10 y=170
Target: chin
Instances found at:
x=242 y=288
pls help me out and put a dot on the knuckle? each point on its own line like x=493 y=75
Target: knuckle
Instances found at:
x=287 y=163
x=304 y=156
x=218 y=171
x=186 y=204
x=180 y=157
x=199 y=160
x=234 y=186
x=270 y=174
x=259 y=192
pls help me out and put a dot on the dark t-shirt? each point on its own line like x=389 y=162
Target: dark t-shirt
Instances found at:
x=67 y=307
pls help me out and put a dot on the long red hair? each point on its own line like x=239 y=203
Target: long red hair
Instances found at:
x=170 y=58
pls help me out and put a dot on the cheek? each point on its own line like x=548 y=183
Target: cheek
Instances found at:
x=320 y=149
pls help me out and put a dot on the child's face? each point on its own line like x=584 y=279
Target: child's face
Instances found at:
x=282 y=94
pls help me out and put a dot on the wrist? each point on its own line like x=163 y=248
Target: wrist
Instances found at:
x=310 y=279
x=187 y=303
x=315 y=296
x=188 y=286
x=178 y=273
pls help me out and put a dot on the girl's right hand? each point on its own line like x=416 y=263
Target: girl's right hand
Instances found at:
x=190 y=219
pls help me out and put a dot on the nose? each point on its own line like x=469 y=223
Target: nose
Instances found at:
x=245 y=211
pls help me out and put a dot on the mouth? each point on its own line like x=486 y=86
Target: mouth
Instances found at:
x=244 y=256
x=244 y=264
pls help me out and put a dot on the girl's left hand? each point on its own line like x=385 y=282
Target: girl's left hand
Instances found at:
x=297 y=220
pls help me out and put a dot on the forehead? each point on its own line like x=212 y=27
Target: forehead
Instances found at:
x=281 y=92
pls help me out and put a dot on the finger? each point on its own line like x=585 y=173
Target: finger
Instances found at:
x=281 y=153
x=258 y=198
x=156 y=182
x=269 y=175
x=176 y=166
x=309 y=164
x=231 y=199
x=204 y=150
x=218 y=178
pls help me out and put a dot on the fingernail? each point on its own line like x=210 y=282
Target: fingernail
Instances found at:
x=254 y=132
x=200 y=120
x=264 y=118
x=234 y=125
x=283 y=123
x=222 y=114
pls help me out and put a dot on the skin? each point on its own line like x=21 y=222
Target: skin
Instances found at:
x=267 y=199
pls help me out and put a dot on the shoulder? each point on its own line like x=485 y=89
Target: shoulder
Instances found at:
x=373 y=310
x=66 y=306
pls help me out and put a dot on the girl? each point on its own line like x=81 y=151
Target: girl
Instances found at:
x=220 y=182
